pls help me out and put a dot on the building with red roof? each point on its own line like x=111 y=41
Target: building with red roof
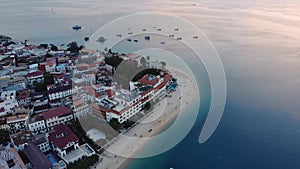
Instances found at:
x=131 y=102
x=24 y=99
x=149 y=80
x=110 y=93
x=63 y=140
x=57 y=116
x=35 y=76
x=80 y=108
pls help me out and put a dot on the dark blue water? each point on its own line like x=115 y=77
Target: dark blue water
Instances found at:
x=259 y=129
x=246 y=138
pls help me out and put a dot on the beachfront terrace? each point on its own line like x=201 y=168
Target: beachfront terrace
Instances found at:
x=84 y=151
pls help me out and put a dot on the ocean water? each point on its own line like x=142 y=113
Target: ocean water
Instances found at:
x=259 y=45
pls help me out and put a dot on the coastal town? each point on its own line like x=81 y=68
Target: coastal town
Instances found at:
x=48 y=94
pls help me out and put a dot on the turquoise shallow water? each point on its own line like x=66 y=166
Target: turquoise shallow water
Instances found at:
x=258 y=42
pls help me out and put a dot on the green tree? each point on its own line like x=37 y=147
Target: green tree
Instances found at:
x=53 y=47
x=45 y=46
x=163 y=63
x=39 y=87
x=143 y=60
x=73 y=47
x=147 y=106
x=115 y=124
x=4 y=136
x=48 y=78
x=114 y=61
x=48 y=55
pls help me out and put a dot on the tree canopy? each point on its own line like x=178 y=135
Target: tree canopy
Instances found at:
x=4 y=136
x=113 y=61
x=73 y=47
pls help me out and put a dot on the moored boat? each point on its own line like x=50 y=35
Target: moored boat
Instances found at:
x=76 y=27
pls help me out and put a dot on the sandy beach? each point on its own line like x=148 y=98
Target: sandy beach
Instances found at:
x=163 y=113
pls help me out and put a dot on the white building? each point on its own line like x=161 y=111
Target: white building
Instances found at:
x=60 y=92
x=128 y=104
x=37 y=76
x=24 y=99
x=80 y=108
x=21 y=139
x=18 y=121
x=43 y=144
x=3 y=123
x=8 y=102
x=63 y=140
x=50 y=65
x=36 y=124
x=18 y=81
x=57 y=116
x=132 y=102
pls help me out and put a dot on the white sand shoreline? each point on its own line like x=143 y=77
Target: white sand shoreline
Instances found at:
x=129 y=148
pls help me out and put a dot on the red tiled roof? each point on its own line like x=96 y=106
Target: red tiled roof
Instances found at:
x=23 y=96
x=50 y=62
x=36 y=73
x=90 y=90
x=60 y=76
x=62 y=136
x=2 y=109
x=167 y=77
x=102 y=109
x=110 y=93
x=93 y=65
x=102 y=63
x=57 y=111
x=22 y=137
x=78 y=103
x=148 y=80
x=82 y=66
x=97 y=95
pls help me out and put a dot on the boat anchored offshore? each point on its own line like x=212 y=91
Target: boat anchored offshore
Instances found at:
x=101 y=39
x=76 y=27
x=86 y=38
x=147 y=37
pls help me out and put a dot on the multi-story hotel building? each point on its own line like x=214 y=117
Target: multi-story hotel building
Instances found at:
x=57 y=116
